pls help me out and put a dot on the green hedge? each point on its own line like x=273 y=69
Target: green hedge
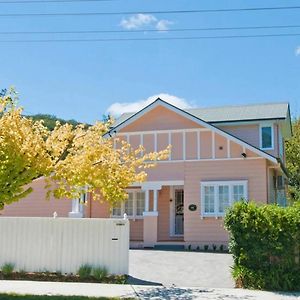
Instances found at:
x=264 y=241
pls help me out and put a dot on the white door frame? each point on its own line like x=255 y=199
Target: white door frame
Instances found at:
x=172 y=210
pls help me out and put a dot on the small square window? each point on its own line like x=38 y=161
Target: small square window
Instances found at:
x=117 y=210
x=129 y=205
x=140 y=203
x=223 y=198
x=209 y=198
x=266 y=137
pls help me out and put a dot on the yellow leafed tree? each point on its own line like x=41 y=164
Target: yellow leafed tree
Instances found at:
x=71 y=158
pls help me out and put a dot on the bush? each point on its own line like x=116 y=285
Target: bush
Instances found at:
x=99 y=273
x=206 y=247
x=85 y=271
x=7 y=268
x=264 y=241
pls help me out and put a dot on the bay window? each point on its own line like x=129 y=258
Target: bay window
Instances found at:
x=133 y=206
x=217 y=196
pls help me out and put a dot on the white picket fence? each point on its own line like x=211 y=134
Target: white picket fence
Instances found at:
x=62 y=244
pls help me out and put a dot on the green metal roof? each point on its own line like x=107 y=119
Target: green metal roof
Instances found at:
x=266 y=111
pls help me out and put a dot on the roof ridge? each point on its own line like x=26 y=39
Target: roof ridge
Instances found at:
x=237 y=105
x=221 y=106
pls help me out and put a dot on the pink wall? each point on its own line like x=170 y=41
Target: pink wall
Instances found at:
x=160 y=118
x=209 y=229
x=191 y=145
x=164 y=214
x=36 y=205
x=250 y=134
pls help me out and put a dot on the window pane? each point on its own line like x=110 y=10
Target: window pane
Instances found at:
x=266 y=135
x=129 y=205
x=117 y=210
x=209 y=199
x=140 y=203
x=238 y=192
x=223 y=198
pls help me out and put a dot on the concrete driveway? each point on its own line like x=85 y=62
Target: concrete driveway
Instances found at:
x=180 y=268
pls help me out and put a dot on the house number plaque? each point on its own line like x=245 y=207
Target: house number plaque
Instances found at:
x=192 y=207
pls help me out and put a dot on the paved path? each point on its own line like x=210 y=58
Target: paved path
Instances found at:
x=137 y=292
x=180 y=268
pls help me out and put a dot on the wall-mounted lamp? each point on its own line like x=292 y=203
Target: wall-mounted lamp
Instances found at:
x=244 y=154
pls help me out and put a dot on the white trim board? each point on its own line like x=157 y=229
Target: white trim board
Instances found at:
x=160 y=102
x=158 y=183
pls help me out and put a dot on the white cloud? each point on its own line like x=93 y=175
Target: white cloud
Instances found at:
x=143 y=20
x=116 y=109
x=297 y=52
x=137 y=21
x=163 y=25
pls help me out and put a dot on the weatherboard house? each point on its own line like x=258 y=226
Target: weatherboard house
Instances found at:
x=218 y=156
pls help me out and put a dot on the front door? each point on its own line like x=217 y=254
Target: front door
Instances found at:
x=178 y=211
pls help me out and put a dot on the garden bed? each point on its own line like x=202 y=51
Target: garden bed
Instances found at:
x=58 y=277
x=31 y=297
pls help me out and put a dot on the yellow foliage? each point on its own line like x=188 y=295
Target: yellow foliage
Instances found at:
x=73 y=158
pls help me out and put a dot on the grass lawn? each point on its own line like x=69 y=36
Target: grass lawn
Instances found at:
x=29 y=297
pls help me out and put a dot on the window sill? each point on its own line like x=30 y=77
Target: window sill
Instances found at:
x=267 y=149
x=216 y=216
x=128 y=217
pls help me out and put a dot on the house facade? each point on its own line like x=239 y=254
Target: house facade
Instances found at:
x=218 y=156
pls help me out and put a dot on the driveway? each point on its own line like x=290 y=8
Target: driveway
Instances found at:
x=180 y=268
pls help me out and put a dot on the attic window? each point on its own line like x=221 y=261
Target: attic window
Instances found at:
x=266 y=137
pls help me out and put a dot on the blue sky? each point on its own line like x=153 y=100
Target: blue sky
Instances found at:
x=83 y=80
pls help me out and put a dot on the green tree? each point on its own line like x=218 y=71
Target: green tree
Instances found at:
x=293 y=161
x=51 y=120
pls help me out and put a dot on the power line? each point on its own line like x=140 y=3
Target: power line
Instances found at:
x=50 y=1
x=150 y=12
x=151 y=30
x=152 y=39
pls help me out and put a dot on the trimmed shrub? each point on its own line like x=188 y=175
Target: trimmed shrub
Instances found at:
x=264 y=241
x=85 y=271
x=99 y=273
x=7 y=269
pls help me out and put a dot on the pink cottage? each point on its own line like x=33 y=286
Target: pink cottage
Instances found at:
x=219 y=155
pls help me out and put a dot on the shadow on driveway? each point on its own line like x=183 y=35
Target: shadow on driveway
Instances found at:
x=180 y=268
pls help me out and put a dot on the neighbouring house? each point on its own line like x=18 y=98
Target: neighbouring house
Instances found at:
x=219 y=155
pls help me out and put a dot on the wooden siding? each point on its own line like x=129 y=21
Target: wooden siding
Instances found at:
x=210 y=229
x=250 y=134
x=164 y=214
x=36 y=204
x=160 y=118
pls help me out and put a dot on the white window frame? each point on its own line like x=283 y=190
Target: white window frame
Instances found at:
x=216 y=184
x=262 y=125
x=134 y=216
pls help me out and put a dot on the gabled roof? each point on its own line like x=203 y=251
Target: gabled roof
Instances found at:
x=267 y=111
x=191 y=117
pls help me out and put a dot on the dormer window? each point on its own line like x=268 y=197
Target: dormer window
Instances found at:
x=266 y=137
